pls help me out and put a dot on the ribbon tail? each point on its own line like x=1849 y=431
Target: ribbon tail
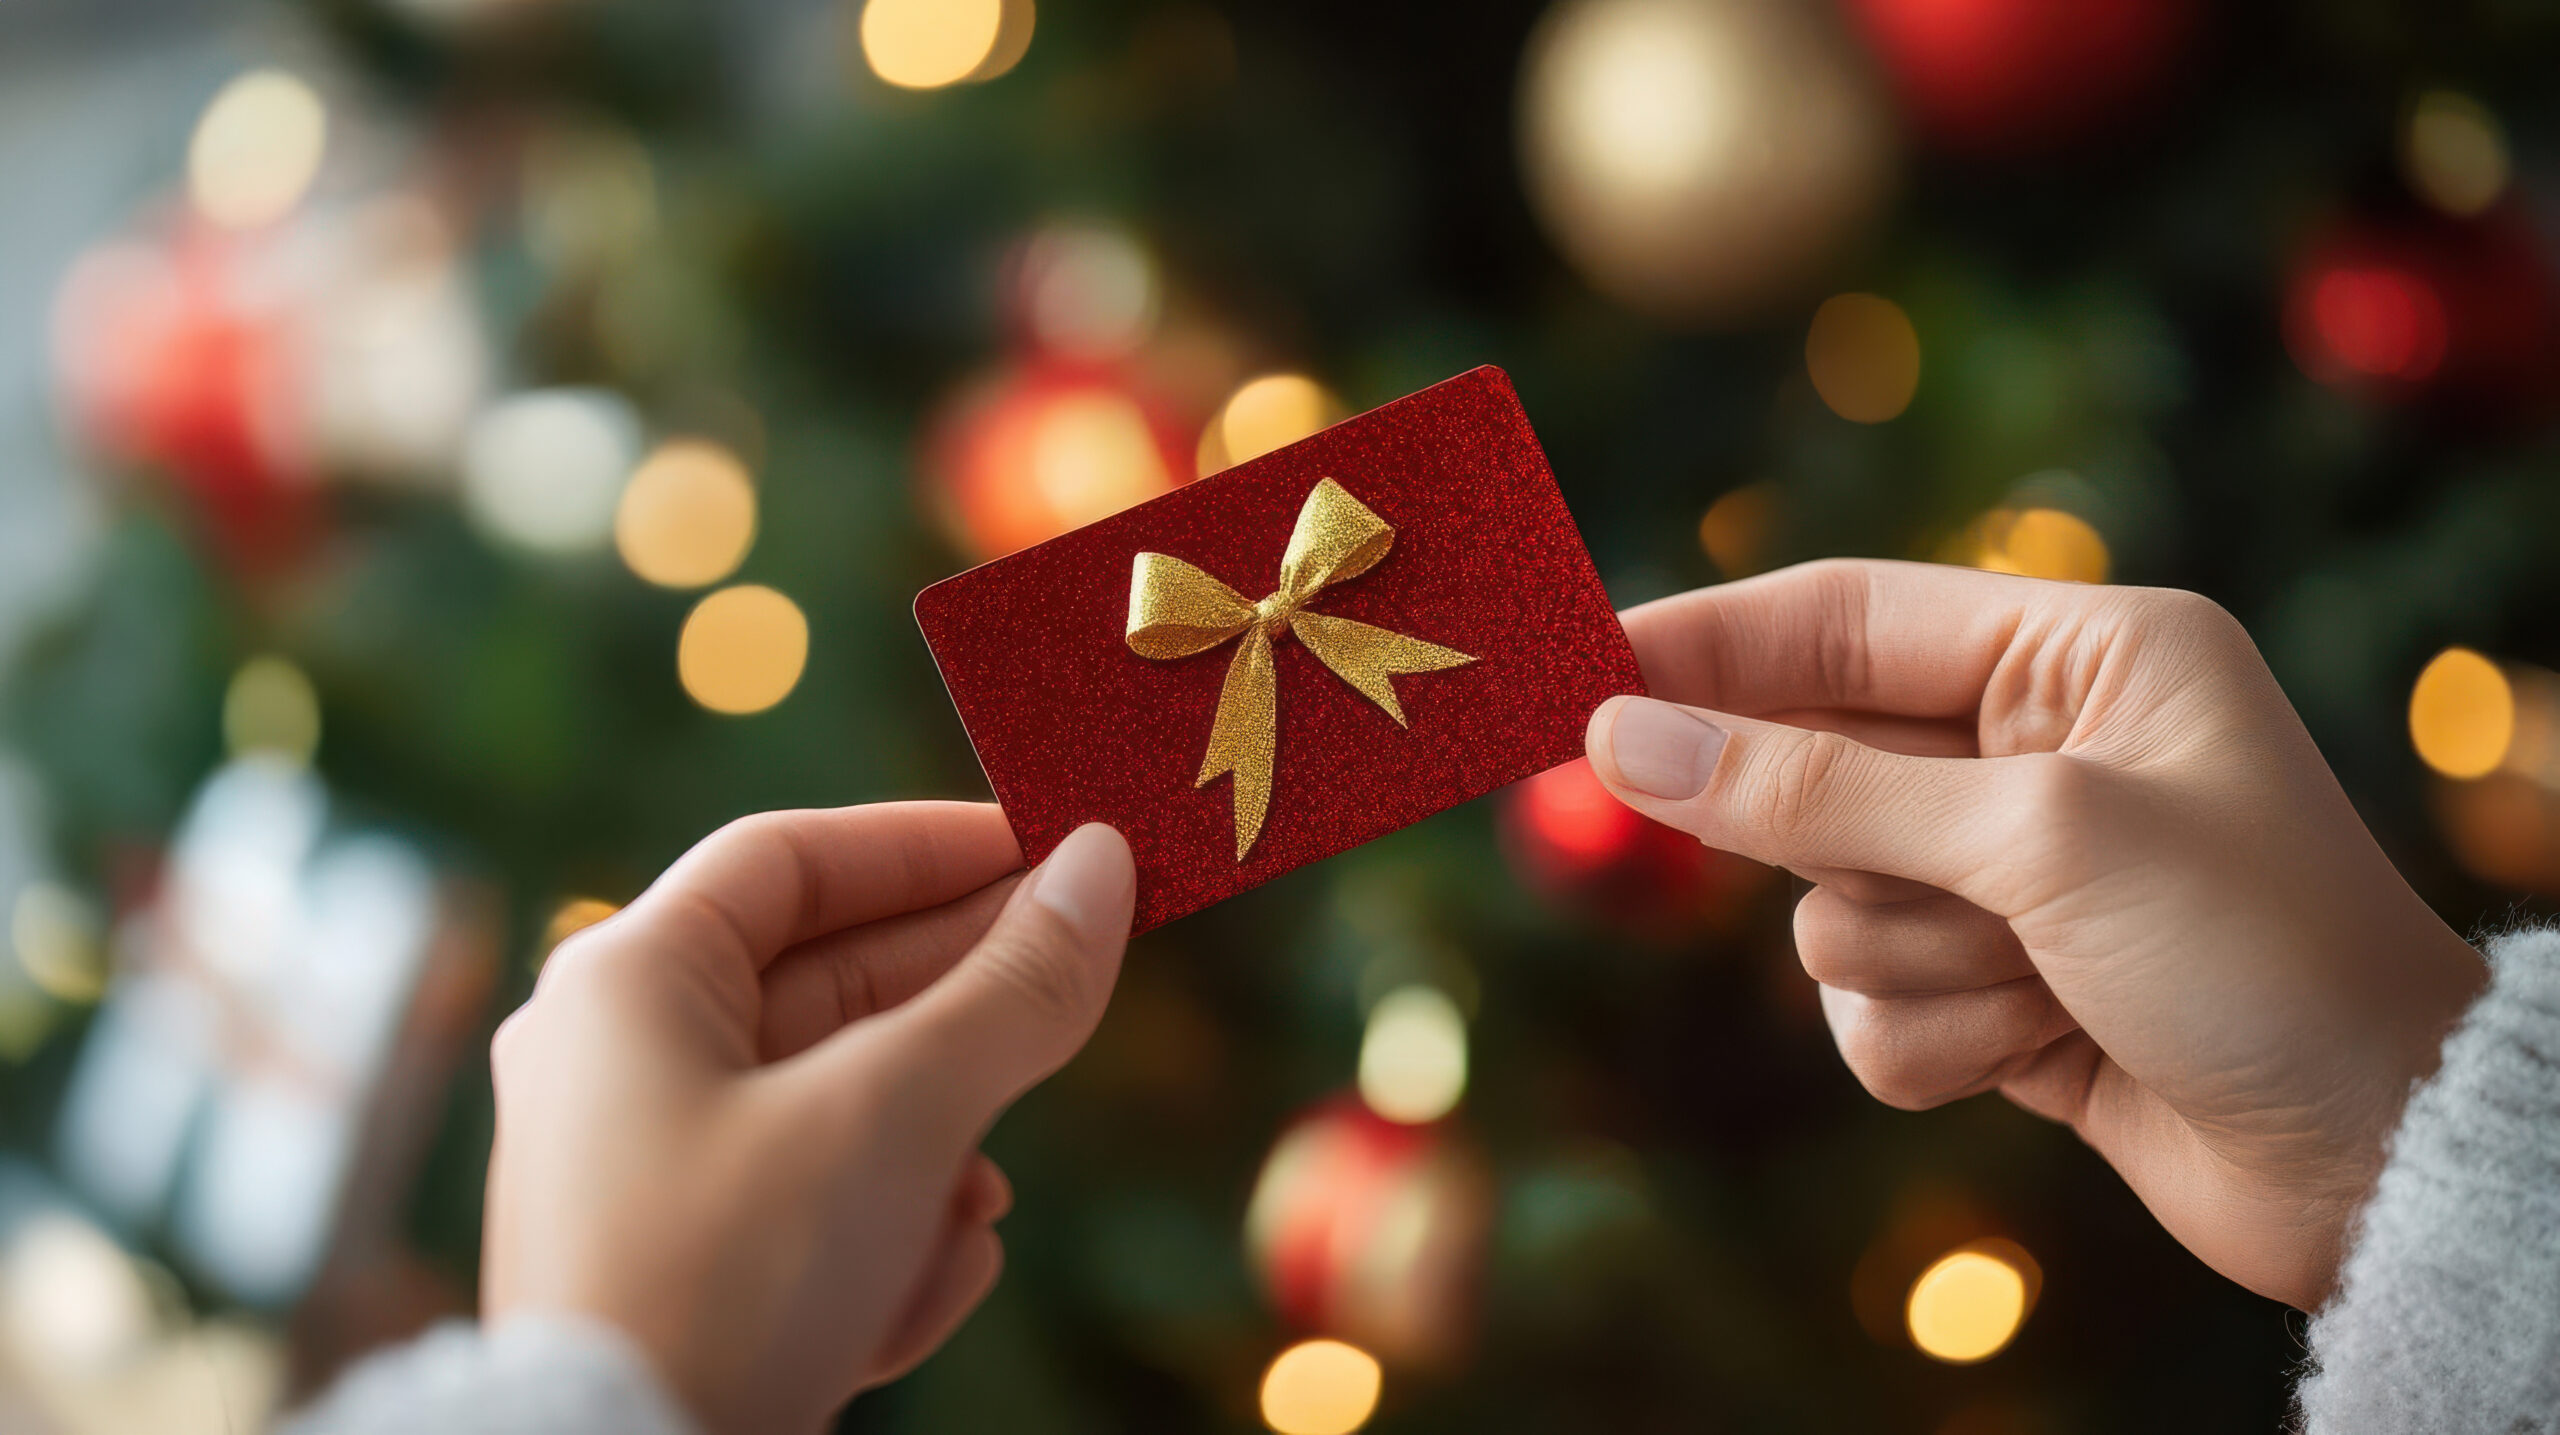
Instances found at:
x=1366 y=657
x=1246 y=734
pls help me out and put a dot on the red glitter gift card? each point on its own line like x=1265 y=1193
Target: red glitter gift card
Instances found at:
x=1287 y=659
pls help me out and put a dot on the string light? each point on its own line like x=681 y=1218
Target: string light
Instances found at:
x=2453 y=153
x=1266 y=413
x=256 y=149
x=1413 y=1057
x=1321 y=1387
x=688 y=515
x=927 y=44
x=742 y=649
x=2462 y=714
x=271 y=708
x=544 y=470
x=1969 y=1303
x=1864 y=357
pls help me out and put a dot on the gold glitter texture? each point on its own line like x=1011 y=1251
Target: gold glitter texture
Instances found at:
x=1177 y=611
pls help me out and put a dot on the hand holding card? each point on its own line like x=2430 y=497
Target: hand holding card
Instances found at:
x=1450 y=637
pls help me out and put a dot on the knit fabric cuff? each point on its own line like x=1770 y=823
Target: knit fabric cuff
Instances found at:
x=2448 y=1312
x=531 y=1375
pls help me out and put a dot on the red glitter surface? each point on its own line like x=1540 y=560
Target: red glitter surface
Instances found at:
x=1072 y=727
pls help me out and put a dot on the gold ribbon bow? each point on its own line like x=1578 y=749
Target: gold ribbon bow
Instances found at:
x=1175 y=611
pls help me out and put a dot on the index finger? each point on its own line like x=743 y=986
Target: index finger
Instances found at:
x=1913 y=639
x=767 y=882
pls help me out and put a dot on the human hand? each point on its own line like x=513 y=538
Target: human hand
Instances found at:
x=2069 y=843
x=739 y=1120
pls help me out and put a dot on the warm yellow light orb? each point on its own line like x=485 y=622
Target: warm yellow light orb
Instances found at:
x=271 y=708
x=1320 y=1387
x=256 y=149
x=2047 y=543
x=1093 y=454
x=687 y=516
x=2453 y=153
x=1413 y=1058
x=926 y=44
x=1734 y=531
x=2462 y=714
x=1267 y=413
x=1966 y=1307
x=570 y=918
x=742 y=649
x=1864 y=357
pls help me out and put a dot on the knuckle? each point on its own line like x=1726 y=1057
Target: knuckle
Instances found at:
x=2192 y=616
x=1796 y=778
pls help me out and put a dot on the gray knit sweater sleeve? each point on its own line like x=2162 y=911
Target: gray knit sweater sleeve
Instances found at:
x=2448 y=1313
x=532 y=1375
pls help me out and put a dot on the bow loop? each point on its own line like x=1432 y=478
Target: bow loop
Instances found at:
x=1336 y=539
x=1176 y=611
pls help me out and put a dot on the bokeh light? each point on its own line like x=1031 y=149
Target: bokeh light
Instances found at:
x=2035 y=543
x=927 y=44
x=1371 y=1229
x=1968 y=1305
x=1735 y=529
x=742 y=649
x=1321 y=1387
x=688 y=515
x=1029 y=455
x=1698 y=159
x=1086 y=291
x=256 y=149
x=2371 y=321
x=60 y=942
x=1864 y=357
x=71 y=1298
x=544 y=470
x=572 y=916
x=1263 y=414
x=1093 y=454
x=2462 y=714
x=2453 y=153
x=271 y=707
x=1413 y=1057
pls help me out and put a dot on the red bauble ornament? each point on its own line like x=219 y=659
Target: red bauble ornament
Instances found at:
x=2462 y=314
x=1575 y=844
x=1372 y=1231
x=2002 y=77
x=1035 y=451
x=177 y=352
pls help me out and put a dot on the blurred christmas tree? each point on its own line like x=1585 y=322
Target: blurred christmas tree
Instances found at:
x=534 y=418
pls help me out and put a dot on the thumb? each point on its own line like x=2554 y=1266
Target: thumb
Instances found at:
x=1019 y=1003
x=1801 y=798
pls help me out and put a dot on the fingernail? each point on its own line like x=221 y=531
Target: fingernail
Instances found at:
x=1087 y=881
x=1663 y=751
